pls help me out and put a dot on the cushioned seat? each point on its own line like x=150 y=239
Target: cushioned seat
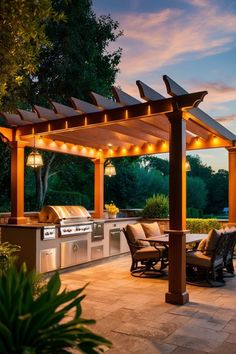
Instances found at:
x=149 y=252
x=200 y=259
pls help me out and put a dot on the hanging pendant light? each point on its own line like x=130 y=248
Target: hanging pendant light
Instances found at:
x=34 y=159
x=110 y=169
x=188 y=167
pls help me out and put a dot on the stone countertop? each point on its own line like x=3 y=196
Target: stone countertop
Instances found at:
x=35 y=225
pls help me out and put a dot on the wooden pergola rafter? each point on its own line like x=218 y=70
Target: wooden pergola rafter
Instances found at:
x=125 y=126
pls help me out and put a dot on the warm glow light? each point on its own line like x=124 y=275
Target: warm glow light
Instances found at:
x=136 y=149
x=150 y=147
x=110 y=169
x=126 y=114
x=188 y=167
x=34 y=159
x=149 y=110
x=124 y=151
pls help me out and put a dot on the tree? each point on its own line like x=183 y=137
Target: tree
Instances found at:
x=78 y=60
x=155 y=162
x=218 y=192
x=196 y=193
x=22 y=36
x=76 y=63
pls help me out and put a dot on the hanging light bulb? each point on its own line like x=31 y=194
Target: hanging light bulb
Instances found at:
x=110 y=169
x=188 y=167
x=34 y=159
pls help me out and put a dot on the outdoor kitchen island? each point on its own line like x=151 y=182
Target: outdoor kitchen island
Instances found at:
x=50 y=246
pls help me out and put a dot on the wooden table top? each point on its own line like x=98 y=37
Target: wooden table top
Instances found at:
x=164 y=239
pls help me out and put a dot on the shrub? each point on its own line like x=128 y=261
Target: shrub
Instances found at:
x=202 y=226
x=41 y=325
x=7 y=255
x=156 y=207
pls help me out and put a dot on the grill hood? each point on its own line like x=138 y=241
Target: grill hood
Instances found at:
x=63 y=214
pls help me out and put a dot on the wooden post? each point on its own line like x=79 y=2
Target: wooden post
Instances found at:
x=99 y=188
x=232 y=185
x=177 y=246
x=17 y=183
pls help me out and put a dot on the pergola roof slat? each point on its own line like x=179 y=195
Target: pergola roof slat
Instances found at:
x=147 y=93
x=83 y=106
x=63 y=110
x=47 y=114
x=123 y=97
x=14 y=119
x=104 y=102
x=29 y=116
x=141 y=135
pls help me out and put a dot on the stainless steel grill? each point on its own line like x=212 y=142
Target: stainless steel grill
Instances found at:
x=71 y=220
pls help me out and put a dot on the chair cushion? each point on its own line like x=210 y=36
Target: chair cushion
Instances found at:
x=198 y=258
x=151 y=229
x=211 y=241
x=149 y=252
x=135 y=232
x=202 y=245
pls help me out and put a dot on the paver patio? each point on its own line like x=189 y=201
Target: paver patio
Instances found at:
x=132 y=313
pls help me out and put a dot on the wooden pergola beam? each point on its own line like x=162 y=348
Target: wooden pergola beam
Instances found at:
x=113 y=115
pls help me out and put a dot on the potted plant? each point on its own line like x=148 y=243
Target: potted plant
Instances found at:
x=112 y=210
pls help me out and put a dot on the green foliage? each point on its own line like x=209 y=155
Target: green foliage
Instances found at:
x=133 y=184
x=7 y=255
x=218 y=192
x=49 y=323
x=196 y=193
x=202 y=226
x=67 y=198
x=156 y=207
x=78 y=61
x=194 y=213
x=22 y=28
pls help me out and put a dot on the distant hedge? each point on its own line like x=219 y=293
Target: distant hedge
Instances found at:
x=202 y=226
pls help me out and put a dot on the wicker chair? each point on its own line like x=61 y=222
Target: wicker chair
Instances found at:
x=145 y=257
x=229 y=255
x=206 y=268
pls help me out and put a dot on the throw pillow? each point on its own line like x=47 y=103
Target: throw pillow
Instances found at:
x=211 y=241
x=151 y=229
x=136 y=232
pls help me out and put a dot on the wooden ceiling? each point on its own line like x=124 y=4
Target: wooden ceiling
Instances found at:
x=120 y=127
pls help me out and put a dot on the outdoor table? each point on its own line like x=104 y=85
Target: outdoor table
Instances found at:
x=164 y=239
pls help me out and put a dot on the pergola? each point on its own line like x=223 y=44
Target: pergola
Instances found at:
x=125 y=127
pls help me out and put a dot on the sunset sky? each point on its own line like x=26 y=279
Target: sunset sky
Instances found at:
x=192 y=41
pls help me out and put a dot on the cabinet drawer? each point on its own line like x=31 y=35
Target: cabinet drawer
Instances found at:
x=48 y=260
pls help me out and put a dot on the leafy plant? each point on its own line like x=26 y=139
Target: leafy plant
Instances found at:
x=202 y=226
x=111 y=208
x=7 y=255
x=42 y=325
x=156 y=207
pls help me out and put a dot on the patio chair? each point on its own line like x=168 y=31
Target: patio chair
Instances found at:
x=144 y=257
x=205 y=267
x=229 y=254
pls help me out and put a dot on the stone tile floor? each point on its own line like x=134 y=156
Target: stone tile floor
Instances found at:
x=132 y=314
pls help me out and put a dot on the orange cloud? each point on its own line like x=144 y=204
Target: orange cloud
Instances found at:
x=152 y=40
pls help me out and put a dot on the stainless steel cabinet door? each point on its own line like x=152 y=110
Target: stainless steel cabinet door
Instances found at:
x=73 y=252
